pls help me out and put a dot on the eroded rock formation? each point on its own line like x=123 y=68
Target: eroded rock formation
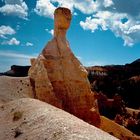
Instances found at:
x=59 y=78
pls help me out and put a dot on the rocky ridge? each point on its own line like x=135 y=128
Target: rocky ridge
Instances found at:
x=32 y=119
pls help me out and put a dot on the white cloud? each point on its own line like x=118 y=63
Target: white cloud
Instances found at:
x=12 y=41
x=12 y=54
x=108 y=3
x=9 y=58
x=128 y=41
x=103 y=15
x=50 y=31
x=16 y=8
x=17 y=27
x=6 y=30
x=86 y=6
x=90 y=24
x=133 y=29
x=79 y=58
x=29 y=44
x=75 y=14
x=46 y=7
x=129 y=30
x=94 y=63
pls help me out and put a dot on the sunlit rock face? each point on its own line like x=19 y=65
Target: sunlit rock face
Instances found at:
x=12 y=88
x=30 y=119
x=59 y=78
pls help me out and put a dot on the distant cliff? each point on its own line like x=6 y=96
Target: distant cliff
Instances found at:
x=111 y=79
x=121 y=79
x=17 y=71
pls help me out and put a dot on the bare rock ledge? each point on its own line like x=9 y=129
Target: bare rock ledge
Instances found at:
x=31 y=119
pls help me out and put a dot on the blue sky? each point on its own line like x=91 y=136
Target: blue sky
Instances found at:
x=102 y=32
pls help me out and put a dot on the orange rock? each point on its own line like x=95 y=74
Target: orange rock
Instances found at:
x=41 y=84
x=61 y=74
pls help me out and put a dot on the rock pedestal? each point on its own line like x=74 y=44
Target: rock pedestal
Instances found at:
x=59 y=78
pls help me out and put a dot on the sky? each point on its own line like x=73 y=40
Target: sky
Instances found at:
x=102 y=32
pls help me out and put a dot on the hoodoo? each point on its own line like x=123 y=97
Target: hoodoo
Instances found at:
x=59 y=78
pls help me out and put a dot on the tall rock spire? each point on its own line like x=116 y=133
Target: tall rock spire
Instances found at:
x=59 y=78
